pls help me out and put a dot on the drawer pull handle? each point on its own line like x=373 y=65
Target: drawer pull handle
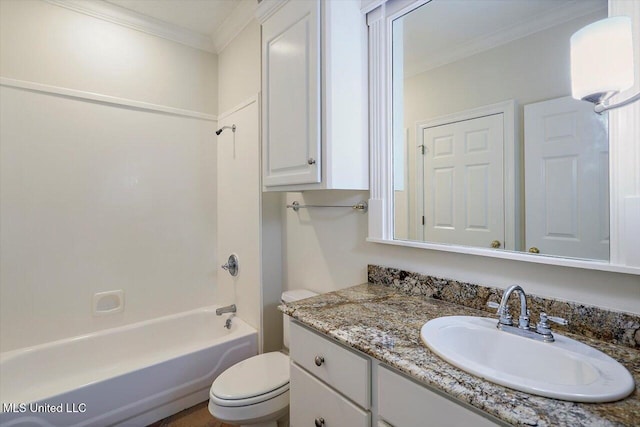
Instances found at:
x=319 y=422
x=319 y=361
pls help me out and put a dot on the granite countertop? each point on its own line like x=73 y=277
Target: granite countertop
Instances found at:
x=385 y=323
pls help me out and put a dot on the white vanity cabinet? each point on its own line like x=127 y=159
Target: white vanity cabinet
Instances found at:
x=314 y=95
x=403 y=402
x=334 y=386
x=330 y=385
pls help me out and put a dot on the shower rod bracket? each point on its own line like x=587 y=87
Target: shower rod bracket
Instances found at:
x=361 y=206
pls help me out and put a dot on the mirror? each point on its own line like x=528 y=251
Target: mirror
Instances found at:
x=489 y=148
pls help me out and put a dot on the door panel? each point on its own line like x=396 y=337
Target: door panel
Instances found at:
x=566 y=179
x=464 y=184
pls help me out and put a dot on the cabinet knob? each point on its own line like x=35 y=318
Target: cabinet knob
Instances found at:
x=495 y=244
x=319 y=361
x=319 y=422
x=534 y=250
x=311 y=161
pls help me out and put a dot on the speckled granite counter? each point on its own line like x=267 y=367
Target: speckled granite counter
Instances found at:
x=384 y=323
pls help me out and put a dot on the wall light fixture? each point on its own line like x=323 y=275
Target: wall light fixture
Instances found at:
x=602 y=62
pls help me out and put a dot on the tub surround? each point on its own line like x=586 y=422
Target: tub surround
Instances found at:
x=383 y=320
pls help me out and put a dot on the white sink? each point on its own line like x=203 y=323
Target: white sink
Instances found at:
x=565 y=369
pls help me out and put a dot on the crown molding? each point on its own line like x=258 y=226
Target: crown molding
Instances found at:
x=239 y=18
x=137 y=21
x=266 y=8
x=517 y=30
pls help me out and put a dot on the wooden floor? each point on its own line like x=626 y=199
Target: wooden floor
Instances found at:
x=196 y=416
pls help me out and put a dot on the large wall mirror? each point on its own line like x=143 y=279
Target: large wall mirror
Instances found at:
x=485 y=147
x=490 y=150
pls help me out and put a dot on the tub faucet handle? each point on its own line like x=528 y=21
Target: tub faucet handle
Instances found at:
x=231 y=265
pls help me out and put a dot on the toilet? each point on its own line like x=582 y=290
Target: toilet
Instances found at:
x=255 y=391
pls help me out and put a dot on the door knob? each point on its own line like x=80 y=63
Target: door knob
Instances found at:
x=534 y=250
x=495 y=244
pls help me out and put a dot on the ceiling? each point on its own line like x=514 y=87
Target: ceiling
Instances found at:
x=200 y=16
x=214 y=21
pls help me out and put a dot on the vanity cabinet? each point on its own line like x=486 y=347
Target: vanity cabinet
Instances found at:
x=332 y=385
x=328 y=381
x=314 y=95
x=403 y=402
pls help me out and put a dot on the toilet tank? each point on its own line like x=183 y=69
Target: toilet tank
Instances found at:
x=291 y=296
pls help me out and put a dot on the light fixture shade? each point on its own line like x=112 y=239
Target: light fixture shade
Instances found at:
x=602 y=59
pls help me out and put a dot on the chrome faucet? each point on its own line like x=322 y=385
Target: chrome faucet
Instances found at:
x=541 y=332
x=227 y=309
x=503 y=309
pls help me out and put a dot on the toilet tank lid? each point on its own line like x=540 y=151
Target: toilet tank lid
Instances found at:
x=296 y=295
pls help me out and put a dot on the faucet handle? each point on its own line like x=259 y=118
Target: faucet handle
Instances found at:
x=493 y=304
x=559 y=320
x=543 y=326
x=505 y=316
x=503 y=312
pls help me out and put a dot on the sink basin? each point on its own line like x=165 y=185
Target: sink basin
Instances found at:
x=565 y=369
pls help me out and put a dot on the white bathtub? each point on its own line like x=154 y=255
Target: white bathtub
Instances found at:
x=130 y=376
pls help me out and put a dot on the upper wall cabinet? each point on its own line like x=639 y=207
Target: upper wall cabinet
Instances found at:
x=314 y=93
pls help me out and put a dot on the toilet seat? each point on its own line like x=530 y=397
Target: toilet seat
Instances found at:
x=254 y=380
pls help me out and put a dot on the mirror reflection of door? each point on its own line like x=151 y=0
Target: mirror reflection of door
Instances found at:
x=566 y=179
x=454 y=56
x=463 y=182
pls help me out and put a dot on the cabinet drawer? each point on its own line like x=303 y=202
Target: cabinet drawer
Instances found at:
x=404 y=403
x=313 y=400
x=342 y=369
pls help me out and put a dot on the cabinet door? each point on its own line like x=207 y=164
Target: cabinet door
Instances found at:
x=403 y=403
x=315 y=403
x=291 y=95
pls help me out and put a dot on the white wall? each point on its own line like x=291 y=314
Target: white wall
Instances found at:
x=531 y=69
x=48 y=44
x=100 y=196
x=239 y=68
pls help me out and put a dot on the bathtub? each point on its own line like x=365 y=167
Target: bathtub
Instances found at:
x=128 y=376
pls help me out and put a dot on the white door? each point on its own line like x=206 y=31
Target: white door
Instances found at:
x=566 y=179
x=463 y=182
x=291 y=95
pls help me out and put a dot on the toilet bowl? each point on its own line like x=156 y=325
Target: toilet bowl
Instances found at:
x=255 y=391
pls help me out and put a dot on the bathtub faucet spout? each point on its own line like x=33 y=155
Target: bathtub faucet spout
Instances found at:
x=227 y=309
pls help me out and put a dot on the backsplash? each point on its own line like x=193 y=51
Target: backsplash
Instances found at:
x=594 y=322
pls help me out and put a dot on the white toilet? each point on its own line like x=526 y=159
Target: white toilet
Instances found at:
x=255 y=392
